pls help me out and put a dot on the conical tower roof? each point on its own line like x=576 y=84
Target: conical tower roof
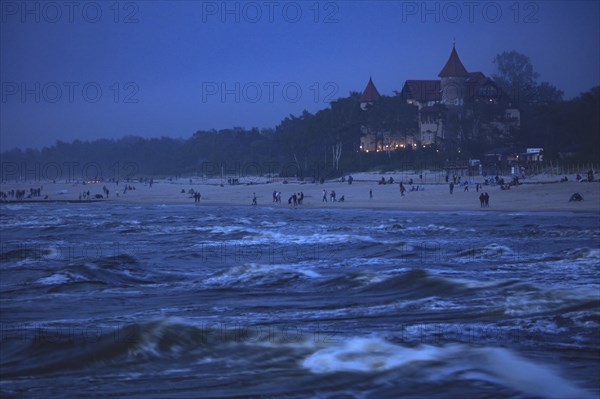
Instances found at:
x=454 y=67
x=370 y=93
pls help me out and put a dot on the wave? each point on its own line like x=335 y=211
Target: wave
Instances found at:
x=541 y=301
x=489 y=251
x=402 y=282
x=47 y=222
x=580 y=254
x=29 y=253
x=53 y=350
x=409 y=226
x=533 y=230
x=14 y=207
x=497 y=365
x=254 y=275
x=105 y=272
x=315 y=238
x=63 y=352
x=173 y=340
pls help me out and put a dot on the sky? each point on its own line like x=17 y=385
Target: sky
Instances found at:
x=104 y=69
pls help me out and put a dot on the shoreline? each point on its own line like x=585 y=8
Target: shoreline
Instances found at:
x=309 y=207
x=539 y=195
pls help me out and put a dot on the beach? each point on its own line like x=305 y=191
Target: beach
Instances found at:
x=543 y=193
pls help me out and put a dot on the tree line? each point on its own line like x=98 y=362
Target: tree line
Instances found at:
x=326 y=143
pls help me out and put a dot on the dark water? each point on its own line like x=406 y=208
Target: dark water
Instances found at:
x=183 y=302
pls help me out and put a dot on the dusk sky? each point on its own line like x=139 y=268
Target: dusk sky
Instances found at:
x=171 y=68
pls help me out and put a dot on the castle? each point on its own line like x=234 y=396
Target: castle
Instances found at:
x=449 y=109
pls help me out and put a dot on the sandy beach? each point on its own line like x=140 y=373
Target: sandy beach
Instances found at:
x=542 y=193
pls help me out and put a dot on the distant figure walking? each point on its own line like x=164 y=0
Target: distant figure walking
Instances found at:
x=451 y=187
x=324 y=196
x=402 y=189
x=486 y=199
x=481 y=200
x=254 y=199
x=370 y=193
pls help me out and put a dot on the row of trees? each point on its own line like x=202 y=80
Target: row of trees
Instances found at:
x=327 y=143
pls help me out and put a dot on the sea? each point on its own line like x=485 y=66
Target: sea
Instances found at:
x=183 y=301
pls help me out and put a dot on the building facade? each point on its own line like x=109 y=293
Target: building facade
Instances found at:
x=451 y=108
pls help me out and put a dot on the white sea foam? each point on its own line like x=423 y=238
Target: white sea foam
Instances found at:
x=498 y=365
x=59 y=278
x=249 y=273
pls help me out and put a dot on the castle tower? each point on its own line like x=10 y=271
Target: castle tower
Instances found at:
x=454 y=77
x=369 y=95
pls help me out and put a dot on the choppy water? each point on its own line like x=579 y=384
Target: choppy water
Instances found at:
x=183 y=301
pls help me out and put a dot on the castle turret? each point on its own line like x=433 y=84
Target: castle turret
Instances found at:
x=454 y=76
x=369 y=95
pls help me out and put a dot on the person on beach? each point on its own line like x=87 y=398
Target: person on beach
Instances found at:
x=254 y=199
x=486 y=199
x=451 y=187
x=324 y=196
x=402 y=189
x=481 y=200
x=370 y=193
